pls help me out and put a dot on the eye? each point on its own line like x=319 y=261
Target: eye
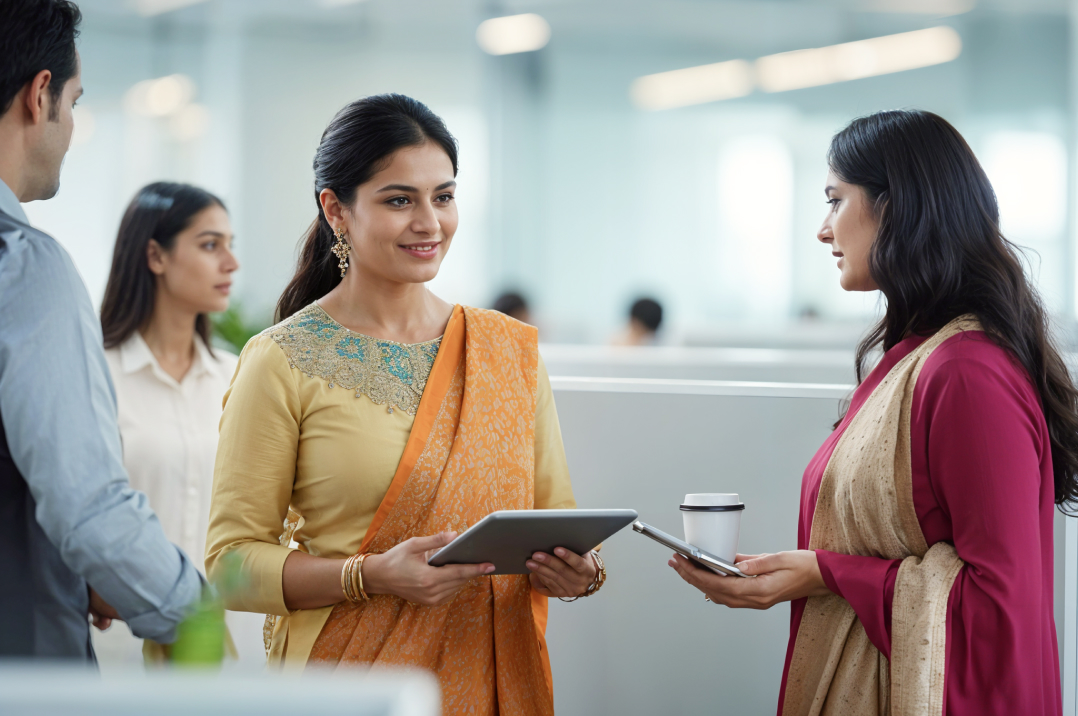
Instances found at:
x=833 y=202
x=444 y=198
x=398 y=201
x=210 y=245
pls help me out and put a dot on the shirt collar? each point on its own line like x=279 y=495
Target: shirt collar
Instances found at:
x=135 y=355
x=9 y=204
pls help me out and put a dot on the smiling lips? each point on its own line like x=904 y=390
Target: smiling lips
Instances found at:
x=422 y=250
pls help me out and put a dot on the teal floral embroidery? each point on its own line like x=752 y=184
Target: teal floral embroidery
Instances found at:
x=389 y=373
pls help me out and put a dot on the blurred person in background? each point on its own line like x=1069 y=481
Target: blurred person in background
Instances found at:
x=360 y=419
x=172 y=265
x=645 y=317
x=75 y=539
x=923 y=577
x=513 y=305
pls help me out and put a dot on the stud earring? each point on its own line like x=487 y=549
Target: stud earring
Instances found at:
x=340 y=250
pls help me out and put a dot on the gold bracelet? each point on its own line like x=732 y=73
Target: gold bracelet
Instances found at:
x=597 y=583
x=359 y=573
x=346 y=580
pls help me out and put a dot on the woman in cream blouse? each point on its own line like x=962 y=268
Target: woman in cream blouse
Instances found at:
x=172 y=265
x=389 y=420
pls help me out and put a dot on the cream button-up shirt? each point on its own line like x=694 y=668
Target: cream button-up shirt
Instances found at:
x=169 y=432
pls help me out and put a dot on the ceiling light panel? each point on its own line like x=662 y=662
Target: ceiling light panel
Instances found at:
x=512 y=34
x=855 y=60
x=694 y=85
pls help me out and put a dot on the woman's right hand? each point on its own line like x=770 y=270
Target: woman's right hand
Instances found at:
x=403 y=571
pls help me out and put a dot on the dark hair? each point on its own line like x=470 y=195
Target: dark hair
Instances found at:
x=358 y=143
x=159 y=211
x=510 y=303
x=37 y=35
x=648 y=312
x=939 y=254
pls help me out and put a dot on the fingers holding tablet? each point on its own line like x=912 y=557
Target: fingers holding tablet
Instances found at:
x=403 y=571
x=562 y=574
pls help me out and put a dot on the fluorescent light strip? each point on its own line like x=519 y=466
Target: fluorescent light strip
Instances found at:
x=798 y=69
x=856 y=60
x=695 y=85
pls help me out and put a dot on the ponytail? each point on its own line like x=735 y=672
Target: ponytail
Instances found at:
x=316 y=273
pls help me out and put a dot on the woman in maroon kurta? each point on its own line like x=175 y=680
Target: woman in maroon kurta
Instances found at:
x=912 y=214
x=982 y=480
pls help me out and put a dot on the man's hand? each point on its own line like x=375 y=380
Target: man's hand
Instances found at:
x=101 y=612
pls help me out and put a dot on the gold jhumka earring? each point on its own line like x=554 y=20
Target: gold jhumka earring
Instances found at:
x=340 y=250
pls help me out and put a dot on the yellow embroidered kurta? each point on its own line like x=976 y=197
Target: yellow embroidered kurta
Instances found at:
x=317 y=417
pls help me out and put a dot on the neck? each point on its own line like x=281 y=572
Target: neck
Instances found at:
x=403 y=312
x=13 y=157
x=170 y=335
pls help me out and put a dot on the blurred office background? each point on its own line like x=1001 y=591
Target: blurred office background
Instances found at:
x=610 y=149
x=585 y=180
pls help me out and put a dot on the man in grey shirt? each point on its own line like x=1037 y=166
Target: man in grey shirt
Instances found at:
x=75 y=539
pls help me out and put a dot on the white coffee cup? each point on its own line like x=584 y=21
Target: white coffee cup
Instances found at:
x=713 y=522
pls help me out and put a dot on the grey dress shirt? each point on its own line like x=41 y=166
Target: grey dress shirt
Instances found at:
x=68 y=517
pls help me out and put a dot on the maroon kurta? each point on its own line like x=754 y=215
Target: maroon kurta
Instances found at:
x=982 y=480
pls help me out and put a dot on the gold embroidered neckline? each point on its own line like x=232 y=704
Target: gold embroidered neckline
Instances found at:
x=387 y=372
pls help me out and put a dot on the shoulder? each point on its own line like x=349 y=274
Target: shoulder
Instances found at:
x=973 y=352
x=972 y=369
x=36 y=266
x=260 y=356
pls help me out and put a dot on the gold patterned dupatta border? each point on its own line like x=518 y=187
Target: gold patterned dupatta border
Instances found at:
x=471 y=451
x=865 y=507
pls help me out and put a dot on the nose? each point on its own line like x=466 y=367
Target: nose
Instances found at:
x=230 y=263
x=425 y=220
x=825 y=234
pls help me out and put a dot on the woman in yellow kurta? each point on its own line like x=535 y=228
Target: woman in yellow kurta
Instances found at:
x=389 y=420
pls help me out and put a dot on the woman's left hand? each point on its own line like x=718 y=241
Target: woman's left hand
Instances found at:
x=778 y=578
x=562 y=574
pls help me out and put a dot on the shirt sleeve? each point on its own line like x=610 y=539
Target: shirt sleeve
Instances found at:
x=253 y=478
x=553 y=490
x=868 y=584
x=60 y=419
x=989 y=470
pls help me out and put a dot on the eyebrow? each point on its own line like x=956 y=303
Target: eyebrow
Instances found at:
x=828 y=189
x=405 y=187
x=210 y=233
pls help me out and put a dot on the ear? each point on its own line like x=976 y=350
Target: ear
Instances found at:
x=332 y=208
x=38 y=100
x=155 y=258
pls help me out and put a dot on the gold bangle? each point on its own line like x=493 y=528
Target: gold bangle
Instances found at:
x=359 y=573
x=346 y=579
x=596 y=584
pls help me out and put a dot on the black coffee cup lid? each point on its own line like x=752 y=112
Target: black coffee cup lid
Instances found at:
x=713 y=508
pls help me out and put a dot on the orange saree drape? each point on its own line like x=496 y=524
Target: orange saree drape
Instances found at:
x=471 y=452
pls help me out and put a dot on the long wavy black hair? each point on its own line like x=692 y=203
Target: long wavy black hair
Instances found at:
x=357 y=144
x=940 y=254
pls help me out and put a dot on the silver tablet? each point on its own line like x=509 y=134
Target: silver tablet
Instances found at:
x=689 y=552
x=509 y=538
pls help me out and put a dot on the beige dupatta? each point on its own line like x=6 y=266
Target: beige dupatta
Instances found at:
x=865 y=507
